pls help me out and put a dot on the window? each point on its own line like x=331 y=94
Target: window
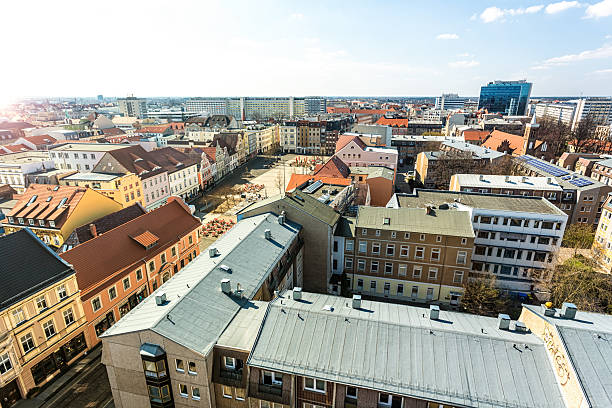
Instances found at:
x=348 y=263
x=363 y=246
x=112 y=293
x=349 y=245
x=41 y=303
x=416 y=273
x=126 y=283
x=313 y=384
x=154 y=369
x=230 y=362
x=373 y=285
x=159 y=394
x=272 y=378
x=18 y=316
x=463 y=241
x=419 y=253
x=407 y=235
x=364 y=231
x=384 y=399
x=361 y=264
x=404 y=251
x=435 y=254
x=439 y=238
x=400 y=289
x=461 y=257
x=138 y=274
x=183 y=390
x=378 y=233
x=401 y=269
x=195 y=393
x=68 y=317
x=5 y=363
x=375 y=248
x=393 y=234
x=151 y=266
x=180 y=365
x=388 y=268
x=264 y=404
x=458 y=277
x=49 y=329
x=190 y=239
x=173 y=251
x=227 y=391
x=96 y=304
x=422 y=237
x=390 y=250
x=163 y=258
x=433 y=273
x=27 y=343
x=192 y=368
x=61 y=292
x=374 y=267
x=240 y=394
x=360 y=284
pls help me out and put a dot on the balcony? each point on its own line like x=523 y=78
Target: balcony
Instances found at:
x=231 y=375
x=271 y=389
x=350 y=403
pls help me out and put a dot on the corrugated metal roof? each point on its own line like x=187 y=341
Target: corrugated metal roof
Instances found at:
x=197 y=312
x=460 y=359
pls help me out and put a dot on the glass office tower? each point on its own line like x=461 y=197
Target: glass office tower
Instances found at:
x=507 y=97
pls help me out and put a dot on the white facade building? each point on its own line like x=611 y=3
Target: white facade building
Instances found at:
x=80 y=156
x=14 y=168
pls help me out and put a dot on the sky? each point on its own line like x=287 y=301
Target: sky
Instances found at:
x=285 y=47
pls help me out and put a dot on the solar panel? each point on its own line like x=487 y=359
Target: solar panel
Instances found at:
x=581 y=182
x=313 y=187
x=548 y=168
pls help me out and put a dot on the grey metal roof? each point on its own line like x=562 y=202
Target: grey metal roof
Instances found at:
x=92 y=176
x=374 y=171
x=588 y=341
x=421 y=198
x=197 y=312
x=508 y=182
x=476 y=150
x=460 y=359
x=242 y=331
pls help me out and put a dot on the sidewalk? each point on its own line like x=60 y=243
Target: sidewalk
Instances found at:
x=56 y=385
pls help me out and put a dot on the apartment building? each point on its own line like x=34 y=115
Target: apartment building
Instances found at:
x=41 y=316
x=246 y=108
x=416 y=254
x=53 y=212
x=380 y=182
x=516 y=237
x=182 y=171
x=123 y=188
x=15 y=168
x=318 y=350
x=117 y=269
x=409 y=146
x=82 y=156
x=267 y=138
x=355 y=153
x=133 y=107
x=163 y=353
x=288 y=137
x=583 y=197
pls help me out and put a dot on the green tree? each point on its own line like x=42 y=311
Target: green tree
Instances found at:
x=480 y=296
x=577 y=281
x=578 y=236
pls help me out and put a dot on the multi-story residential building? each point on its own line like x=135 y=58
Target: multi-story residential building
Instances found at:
x=182 y=171
x=116 y=270
x=41 y=316
x=409 y=146
x=417 y=254
x=507 y=97
x=556 y=112
x=82 y=156
x=258 y=107
x=318 y=221
x=123 y=188
x=582 y=198
x=402 y=126
x=53 y=212
x=160 y=134
x=355 y=153
x=597 y=108
x=288 y=137
x=380 y=183
x=133 y=107
x=212 y=106
x=14 y=168
x=602 y=171
x=569 y=161
x=451 y=101
x=517 y=237
x=267 y=137
x=163 y=353
x=384 y=132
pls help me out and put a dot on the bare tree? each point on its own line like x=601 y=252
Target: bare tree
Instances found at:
x=480 y=296
x=578 y=236
x=583 y=136
x=556 y=134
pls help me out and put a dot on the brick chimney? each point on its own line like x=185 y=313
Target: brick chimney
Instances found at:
x=93 y=230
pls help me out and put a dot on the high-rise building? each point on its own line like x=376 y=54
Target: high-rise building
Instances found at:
x=258 y=107
x=599 y=109
x=507 y=97
x=133 y=107
x=450 y=101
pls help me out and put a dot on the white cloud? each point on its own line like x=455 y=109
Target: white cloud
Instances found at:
x=491 y=14
x=465 y=55
x=603 y=71
x=598 y=10
x=296 y=16
x=601 y=52
x=447 y=37
x=539 y=67
x=607 y=37
x=464 y=64
x=554 y=8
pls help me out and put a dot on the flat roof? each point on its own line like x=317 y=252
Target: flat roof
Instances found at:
x=374 y=171
x=459 y=359
x=422 y=198
x=453 y=223
x=508 y=182
x=479 y=151
x=567 y=179
x=92 y=176
x=196 y=312
x=242 y=332
x=90 y=147
x=24 y=157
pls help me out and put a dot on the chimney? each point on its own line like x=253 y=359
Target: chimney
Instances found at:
x=226 y=286
x=297 y=293
x=281 y=219
x=212 y=252
x=503 y=321
x=429 y=210
x=520 y=327
x=548 y=311
x=93 y=230
x=568 y=310
x=481 y=177
x=524 y=179
x=160 y=298
x=507 y=179
x=549 y=180
x=268 y=234
x=356 y=301
x=434 y=312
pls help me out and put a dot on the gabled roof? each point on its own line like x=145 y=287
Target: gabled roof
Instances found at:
x=154 y=129
x=112 y=131
x=497 y=137
x=134 y=159
x=171 y=159
x=41 y=140
x=16 y=148
x=27 y=266
x=475 y=135
x=393 y=122
x=211 y=152
x=108 y=222
x=116 y=251
x=334 y=167
x=343 y=140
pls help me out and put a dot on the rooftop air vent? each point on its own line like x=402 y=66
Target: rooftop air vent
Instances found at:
x=225 y=268
x=548 y=311
x=226 y=286
x=520 y=327
x=268 y=234
x=212 y=252
x=356 y=301
x=160 y=298
x=503 y=321
x=281 y=219
x=507 y=179
x=297 y=293
x=568 y=310
x=434 y=312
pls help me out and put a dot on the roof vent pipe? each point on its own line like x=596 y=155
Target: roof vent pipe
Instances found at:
x=226 y=286
x=434 y=312
x=297 y=293
x=268 y=234
x=568 y=310
x=356 y=301
x=281 y=219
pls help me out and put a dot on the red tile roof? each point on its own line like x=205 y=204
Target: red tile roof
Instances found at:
x=474 y=135
x=41 y=140
x=154 y=129
x=497 y=137
x=17 y=148
x=108 y=257
x=211 y=152
x=297 y=180
x=145 y=238
x=334 y=167
x=113 y=132
x=393 y=122
x=52 y=203
x=343 y=140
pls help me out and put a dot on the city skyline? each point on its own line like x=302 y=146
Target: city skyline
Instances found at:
x=287 y=48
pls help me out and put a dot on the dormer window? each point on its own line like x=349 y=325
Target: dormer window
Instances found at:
x=20 y=221
x=31 y=221
x=11 y=220
x=52 y=224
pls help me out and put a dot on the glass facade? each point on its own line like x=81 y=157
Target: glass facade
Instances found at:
x=507 y=97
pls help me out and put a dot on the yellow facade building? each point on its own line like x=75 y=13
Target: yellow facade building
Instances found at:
x=602 y=244
x=53 y=212
x=125 y=189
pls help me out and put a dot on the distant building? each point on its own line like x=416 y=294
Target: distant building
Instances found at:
x=133 y=107
x=15 y=168
x=450 y=101
x=355 y=153
x=507 y=97
x=246 y=108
